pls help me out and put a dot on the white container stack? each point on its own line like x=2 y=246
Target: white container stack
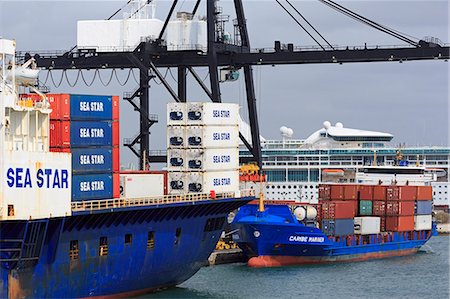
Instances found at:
x=367 y=225
x=422 y=222
x=203 y=147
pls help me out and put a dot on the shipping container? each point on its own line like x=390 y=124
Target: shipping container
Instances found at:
x=218 y=181
x=116 y=185
x=350 y=192
x=399 y=208
x=176 y=114
x=337 y=192
x=379 y=192
x=379 y=208
x=423 y=222
x=176 y=159
x=80 y=133
x=338 y=227
x=212 y=136
x=142 y=185
x=89 y=160
x=365 y=192
x=221 y=114
x=365 y=207
x=115 y=133
x=383 y=224
x=92 y=186
x=338 y=209
x=424 y=193
x=367 y=225
x=176 y=137
x=83 y=107
x=400 y=223
x=214 y=159
x=324 y=192
x=177 y=183
x=392 y=192
x=407 y=193
x=116 y=159
x=423 y=207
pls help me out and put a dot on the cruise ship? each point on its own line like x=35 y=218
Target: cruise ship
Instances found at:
x=334 y=153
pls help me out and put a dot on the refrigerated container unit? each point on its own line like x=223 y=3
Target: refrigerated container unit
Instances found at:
x=212 y=137
x=422 y=222
x=212 y=159
x=176 y=159
x=367 y=225
x=177 y=183
x=216 y=114
x=176 y=114
x=136 y=185
x=176 y=136
x=218 y=181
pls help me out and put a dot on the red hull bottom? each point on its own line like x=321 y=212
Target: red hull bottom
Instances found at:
x=131 y=293
x=277 y=261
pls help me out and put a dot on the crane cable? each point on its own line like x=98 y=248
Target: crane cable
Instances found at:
x=368 y=22
x=279 y=3
x=293 y=7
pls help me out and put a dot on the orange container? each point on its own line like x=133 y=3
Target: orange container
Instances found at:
x=115 y=133
x=338 y=209
x=350 y=192
x=116 y=185
x=116 y=159
x=365 y=192
x=337 y=192
x=400 y=208
x=424 y=193
x=392 y=192
x=407 y=193
x=379 y=193
x=115 y=108
x=324 y=192
x=60 y=104
x=400 y=223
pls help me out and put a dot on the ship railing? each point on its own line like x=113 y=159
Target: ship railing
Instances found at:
x=103 y=204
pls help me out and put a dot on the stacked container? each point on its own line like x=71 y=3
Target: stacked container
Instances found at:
x=423 y=208
x=203 y=147
x=88 y=127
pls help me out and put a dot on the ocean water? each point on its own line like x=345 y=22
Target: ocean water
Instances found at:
x=422 y=275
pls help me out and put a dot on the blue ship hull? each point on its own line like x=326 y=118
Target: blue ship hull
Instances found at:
x=122 y=252
x=275 y=238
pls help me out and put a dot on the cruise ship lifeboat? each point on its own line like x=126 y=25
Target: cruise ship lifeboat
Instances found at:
x=333 y=172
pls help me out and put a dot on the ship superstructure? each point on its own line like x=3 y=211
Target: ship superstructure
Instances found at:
x=296 y=167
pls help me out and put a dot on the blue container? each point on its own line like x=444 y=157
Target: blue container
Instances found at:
x=424 y=207
x=92 y=186
x=90 y=133
x=89 y=160
x=338 y=227
x=90 y=107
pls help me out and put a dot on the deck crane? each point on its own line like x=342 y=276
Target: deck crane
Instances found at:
x=152 y=55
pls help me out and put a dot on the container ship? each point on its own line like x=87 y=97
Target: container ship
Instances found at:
x=351 y=222
x=73 y=225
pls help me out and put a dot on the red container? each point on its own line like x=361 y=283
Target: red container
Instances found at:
x=379 y=208
x=365 y=192
x=338 y=209
x=351 y=192
x=324 y=192
x=383 y=224
x=115 y=133
x=59 y=133
x=400 y=208
x=379 y=193
x=407 y=193
x=115 y=108
x=424 y=193
x=116 y=185
x=337 y=192
x=116 y=159
x=400 y=223
x=60 y=104
x=392 y=192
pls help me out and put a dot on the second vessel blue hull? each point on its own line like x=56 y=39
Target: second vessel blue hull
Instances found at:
x=121 y=253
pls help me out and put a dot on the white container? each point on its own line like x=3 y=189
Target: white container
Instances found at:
x=35 y=185
x=367 y=225
x=176 y=183
x=212 y=136
x=176 y=160
x=141 y=185
x=218 y=181
x=213 y=159
x=186 y=34
x=176 y=114
x=176 y=137
x=221 y=114
x=422 y=222
x=116 y=35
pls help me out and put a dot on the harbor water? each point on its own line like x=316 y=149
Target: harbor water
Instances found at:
x=422 y=275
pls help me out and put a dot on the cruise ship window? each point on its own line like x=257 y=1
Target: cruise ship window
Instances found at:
x=103 y=249
x=74 y=250
x=128 y=239
x=151 y=240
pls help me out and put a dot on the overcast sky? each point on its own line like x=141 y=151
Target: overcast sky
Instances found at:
x=409 y=100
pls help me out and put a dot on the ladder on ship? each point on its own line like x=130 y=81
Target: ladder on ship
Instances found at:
x=21 y=243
